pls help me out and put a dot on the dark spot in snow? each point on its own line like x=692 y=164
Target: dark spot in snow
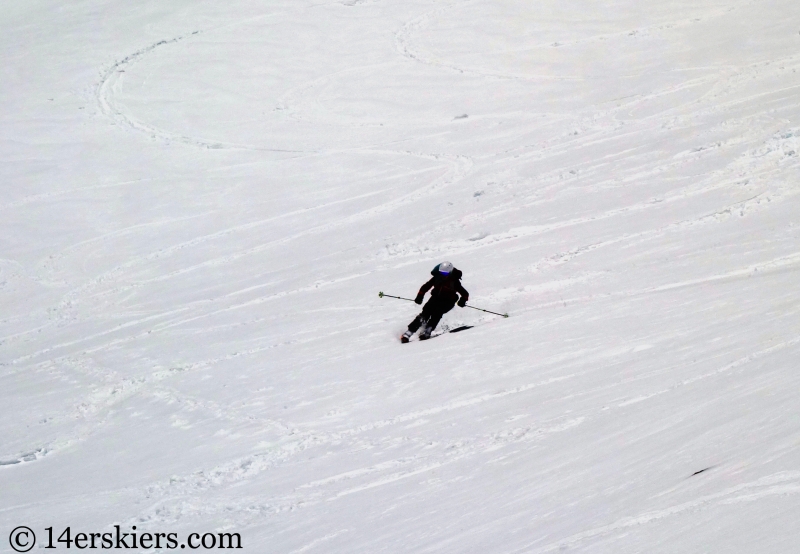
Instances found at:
x=702 y=470
x=462 y=116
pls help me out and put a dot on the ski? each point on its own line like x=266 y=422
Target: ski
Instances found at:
x=405 y=339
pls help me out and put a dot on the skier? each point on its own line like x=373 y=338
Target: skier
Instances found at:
x=446 y=285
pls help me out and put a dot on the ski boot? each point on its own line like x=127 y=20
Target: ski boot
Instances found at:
x=406 y=336
x=426 y=333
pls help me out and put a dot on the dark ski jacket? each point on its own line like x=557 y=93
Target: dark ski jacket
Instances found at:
x=446 y=288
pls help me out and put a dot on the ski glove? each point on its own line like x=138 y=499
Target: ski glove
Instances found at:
x=419 y=298
x=462 y=302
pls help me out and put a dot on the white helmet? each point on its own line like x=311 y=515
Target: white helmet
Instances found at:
x=445 y=268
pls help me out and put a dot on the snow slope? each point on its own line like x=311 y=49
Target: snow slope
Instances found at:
x=201 y=201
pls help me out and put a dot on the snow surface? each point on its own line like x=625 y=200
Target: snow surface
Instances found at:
x=201 y=201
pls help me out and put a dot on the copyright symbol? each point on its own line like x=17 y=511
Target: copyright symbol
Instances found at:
x=22 y=539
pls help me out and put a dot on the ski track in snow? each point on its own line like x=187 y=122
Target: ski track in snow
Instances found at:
x=778 y=484
x=459 y=168
x=111 y=81
x=404 y=40
x=391 y=471
x=295 y=442
x=331 y=488
x=106 y=99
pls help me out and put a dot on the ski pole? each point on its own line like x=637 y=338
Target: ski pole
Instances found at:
x=487 y=311
x=381 y=295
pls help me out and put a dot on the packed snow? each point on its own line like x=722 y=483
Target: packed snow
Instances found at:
x=202 y=200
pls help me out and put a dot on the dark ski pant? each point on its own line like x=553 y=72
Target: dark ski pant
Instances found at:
x=431 y=313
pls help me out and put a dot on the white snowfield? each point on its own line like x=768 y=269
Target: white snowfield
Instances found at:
x=201 y=201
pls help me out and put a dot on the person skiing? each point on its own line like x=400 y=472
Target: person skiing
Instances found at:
x=446 y=285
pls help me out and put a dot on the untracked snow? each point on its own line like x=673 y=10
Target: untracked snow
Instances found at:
x=201 y=201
